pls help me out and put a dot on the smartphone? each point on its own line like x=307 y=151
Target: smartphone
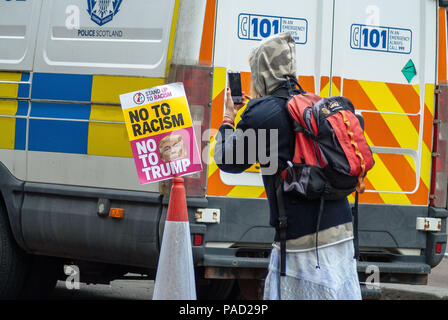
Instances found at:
x=235 y=87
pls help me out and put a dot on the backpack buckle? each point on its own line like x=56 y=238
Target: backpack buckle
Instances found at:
x=282 y=222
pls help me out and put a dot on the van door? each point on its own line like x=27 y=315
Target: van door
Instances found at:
x=240 y=26
x=88 y=53
x=18 y=30
x=384 y=60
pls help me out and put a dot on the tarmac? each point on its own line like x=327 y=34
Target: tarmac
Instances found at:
x=390 y=291
x=436 y=289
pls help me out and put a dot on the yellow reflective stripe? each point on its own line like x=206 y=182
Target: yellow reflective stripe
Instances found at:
x=425 y=166
x=425 y=172
x=212 y=166
x=7 y=125
x=9 y=90
x=382 y=179
x=429 y=96
x=107 y=89
x=10 y=76
x=219 y=85
x=219 y=81
x=8 y=107
x=399 y=124
x=325 y=91
x=402 y=129
x=381 y=97
x=106 y=113
x=246 y=192
x=351 y=198
x=111 y=139
x=7 y=133
x=108 y=139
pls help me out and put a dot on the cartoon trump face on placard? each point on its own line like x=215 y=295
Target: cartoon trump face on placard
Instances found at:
x=172 y=147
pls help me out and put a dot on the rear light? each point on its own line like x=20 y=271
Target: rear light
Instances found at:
x=439 y=247
x=439 y=175
x=197 y=239
x=117 y=213
x=197 y=81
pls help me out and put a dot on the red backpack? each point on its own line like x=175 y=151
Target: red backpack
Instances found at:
x=331 y=156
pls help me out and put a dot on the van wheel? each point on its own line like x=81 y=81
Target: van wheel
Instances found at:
x=215 y=289
x=247 y=289
x=41 y=278
x=13 y=261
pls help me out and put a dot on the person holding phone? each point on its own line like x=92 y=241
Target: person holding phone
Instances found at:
x=273 y=67
x=238 y=97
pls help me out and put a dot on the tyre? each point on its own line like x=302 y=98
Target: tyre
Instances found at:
x=23 y=276
x=41 y=278
x=13 y=261
x=215 y=289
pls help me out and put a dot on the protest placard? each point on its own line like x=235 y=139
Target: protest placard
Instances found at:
x=160 y=130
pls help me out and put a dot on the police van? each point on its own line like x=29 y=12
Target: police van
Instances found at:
x=66 y=162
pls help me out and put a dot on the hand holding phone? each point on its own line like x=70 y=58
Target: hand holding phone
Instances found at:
x=235 y=87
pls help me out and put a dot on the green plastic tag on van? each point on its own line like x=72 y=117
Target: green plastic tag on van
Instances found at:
x=409 y=70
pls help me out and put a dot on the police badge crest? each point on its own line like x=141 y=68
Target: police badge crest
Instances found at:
x=103 y=11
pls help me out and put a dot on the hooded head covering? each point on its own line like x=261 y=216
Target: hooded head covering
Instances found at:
x=273 y=62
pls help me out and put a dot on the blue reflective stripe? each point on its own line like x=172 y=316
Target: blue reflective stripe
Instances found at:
x=22 y=108
x=67 y=87
x=24 y=90
x=25 y=76
x=58 y=136
x=20 y=134
x=60 y=110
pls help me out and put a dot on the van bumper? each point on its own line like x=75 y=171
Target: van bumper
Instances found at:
x=383 y=229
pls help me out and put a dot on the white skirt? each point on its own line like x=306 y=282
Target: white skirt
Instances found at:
x=336 y=279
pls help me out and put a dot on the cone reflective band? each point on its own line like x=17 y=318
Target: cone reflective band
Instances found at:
x=175 y=271
x=160 y=130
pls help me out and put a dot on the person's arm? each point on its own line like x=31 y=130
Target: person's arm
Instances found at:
x=231 y=148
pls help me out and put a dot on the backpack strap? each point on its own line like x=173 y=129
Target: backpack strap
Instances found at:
x=282 y=225
x=299 y=128
x=287 y=89
x=355 y=227
x=319 y=216
x=360 y=187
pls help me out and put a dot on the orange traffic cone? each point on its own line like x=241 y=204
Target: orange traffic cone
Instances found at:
x=175 y=271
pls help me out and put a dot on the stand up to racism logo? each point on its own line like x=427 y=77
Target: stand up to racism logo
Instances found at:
x=103 y=11
x=139 y=98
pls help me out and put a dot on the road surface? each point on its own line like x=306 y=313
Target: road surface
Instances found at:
x=437 y=288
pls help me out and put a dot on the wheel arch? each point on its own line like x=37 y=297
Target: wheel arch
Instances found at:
x=11 y=200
